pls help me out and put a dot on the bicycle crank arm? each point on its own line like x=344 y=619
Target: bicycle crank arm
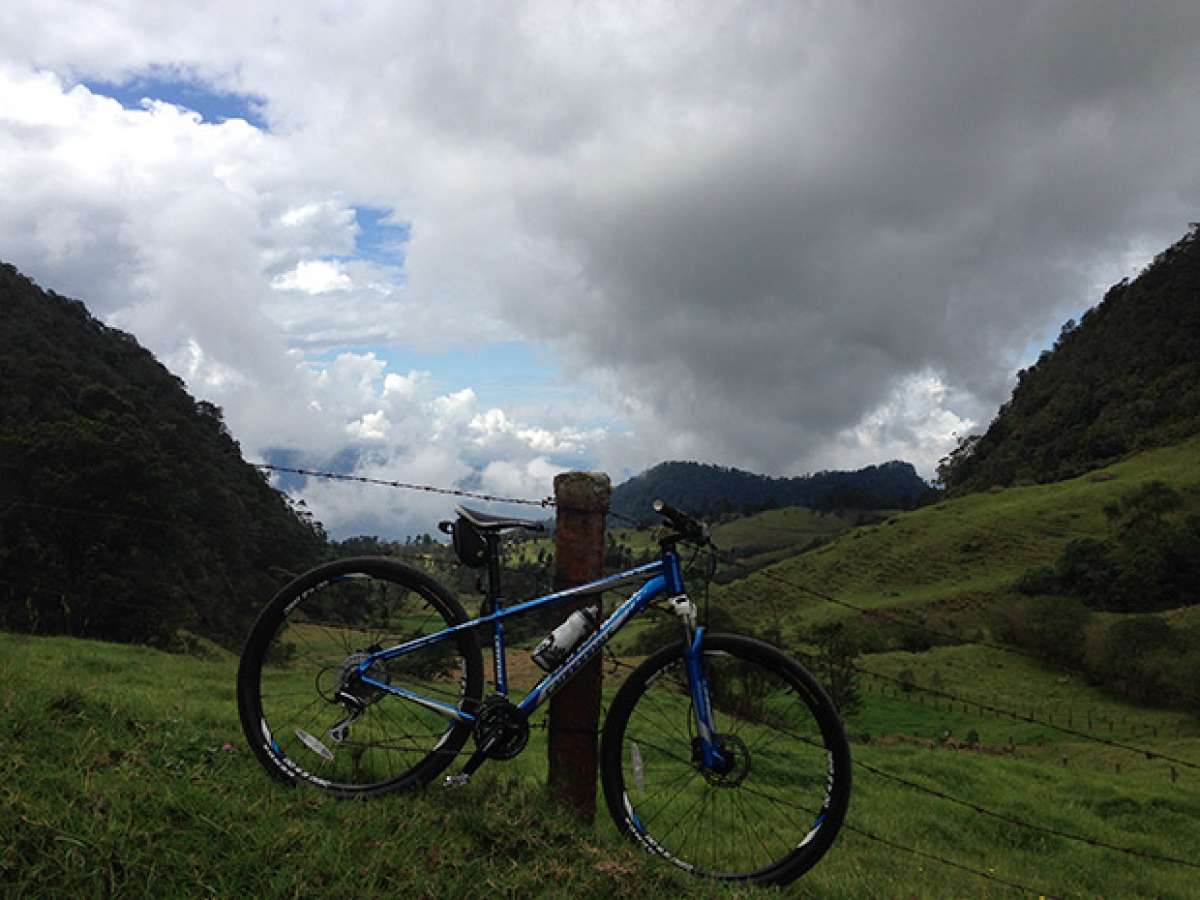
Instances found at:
x=476 y=760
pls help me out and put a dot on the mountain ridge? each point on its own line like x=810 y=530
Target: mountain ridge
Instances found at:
x=705 y=489
x=126 y=509
x=1126 y=377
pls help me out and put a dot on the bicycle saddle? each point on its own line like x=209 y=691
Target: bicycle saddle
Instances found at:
x=488 y=522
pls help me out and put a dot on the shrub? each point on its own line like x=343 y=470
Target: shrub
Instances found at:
x=1039 y=580
x=834 y=666
x=1052 y=627
x=1086 y=570
x=1143 y=658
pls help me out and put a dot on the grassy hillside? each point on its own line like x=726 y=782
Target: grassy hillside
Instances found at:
x=956 y=561
x=123 y=773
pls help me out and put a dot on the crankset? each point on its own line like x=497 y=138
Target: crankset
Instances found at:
x=503 y=725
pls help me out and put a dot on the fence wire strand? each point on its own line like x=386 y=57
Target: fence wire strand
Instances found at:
x=1030 y=826
x=925 y=854
x=409 y=486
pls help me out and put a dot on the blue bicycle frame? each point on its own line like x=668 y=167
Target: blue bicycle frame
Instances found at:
x=664 y=576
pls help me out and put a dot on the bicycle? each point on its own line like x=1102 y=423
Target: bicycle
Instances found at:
x=719 y=753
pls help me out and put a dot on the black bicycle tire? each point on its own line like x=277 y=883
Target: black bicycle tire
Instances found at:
x=788 y=867
x=257 y=644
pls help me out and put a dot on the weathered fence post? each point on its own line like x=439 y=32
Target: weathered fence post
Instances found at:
x=582 y=502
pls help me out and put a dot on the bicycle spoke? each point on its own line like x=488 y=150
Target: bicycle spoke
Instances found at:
x=732 y=820
x=306 y=664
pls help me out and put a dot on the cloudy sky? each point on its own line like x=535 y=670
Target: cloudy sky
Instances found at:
x=476 y=244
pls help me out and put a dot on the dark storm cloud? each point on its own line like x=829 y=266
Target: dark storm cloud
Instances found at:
x=925 y=190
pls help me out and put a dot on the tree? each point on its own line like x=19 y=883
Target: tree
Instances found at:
x=834 y=665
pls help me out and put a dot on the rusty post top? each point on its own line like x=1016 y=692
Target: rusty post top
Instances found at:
x=583 y=491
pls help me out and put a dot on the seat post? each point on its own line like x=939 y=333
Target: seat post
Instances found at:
x=493 y=568
x=494 y=601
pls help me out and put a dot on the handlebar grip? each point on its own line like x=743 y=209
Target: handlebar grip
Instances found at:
x=689 y=527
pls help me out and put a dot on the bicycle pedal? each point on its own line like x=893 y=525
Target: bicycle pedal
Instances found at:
x=456 y=781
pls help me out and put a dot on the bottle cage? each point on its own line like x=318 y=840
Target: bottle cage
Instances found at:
x=469 y=544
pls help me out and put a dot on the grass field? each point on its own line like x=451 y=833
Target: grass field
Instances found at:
x=125 y=774
x=955 y=560
x=755 y=539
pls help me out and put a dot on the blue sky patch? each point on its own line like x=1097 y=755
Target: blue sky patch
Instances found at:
x=214 y=106
x=378 y=240
x=521 y=377
x=501 y=374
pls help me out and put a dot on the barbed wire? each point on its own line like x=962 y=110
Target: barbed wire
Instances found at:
x=1042 y=829
x=1032 y=720
x=925 y=854
x=409 y=486
x=544 y=503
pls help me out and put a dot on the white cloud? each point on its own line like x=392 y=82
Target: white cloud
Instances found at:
x=371 y=427
x=314 y=276
x=207 y=376
x=917 y=423
x=532 y=479
x=348 y=508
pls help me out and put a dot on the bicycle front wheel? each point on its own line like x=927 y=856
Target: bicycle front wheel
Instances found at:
x=307 y=716
x=773 y=806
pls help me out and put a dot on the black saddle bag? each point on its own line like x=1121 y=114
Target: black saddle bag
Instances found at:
x=469 y=543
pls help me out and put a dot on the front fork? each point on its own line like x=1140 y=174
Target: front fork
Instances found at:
x=709 y=754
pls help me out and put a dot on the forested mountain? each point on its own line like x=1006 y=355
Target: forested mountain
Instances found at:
x=126 y=510
x=1125 y=378
x=707 y=490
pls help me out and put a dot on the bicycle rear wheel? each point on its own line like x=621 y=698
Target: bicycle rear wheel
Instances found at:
x=306 y=716
x=777 y=804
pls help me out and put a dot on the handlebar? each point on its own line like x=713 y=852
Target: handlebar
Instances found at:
x=689 y=529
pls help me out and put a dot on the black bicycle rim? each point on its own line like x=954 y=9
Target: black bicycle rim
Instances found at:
x=774 y=809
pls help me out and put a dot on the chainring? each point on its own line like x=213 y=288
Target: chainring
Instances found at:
x=500 y=720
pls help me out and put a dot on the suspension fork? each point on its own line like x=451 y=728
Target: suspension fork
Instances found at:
x=693 y=656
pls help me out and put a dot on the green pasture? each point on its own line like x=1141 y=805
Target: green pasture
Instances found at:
x=125 y=774
x=954 y=560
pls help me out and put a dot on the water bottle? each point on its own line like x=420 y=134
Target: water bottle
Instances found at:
x=558 y=644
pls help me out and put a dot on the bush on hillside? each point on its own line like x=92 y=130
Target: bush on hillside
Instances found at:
x=1145 y=659
x=1055 y=628
x=1150 y=563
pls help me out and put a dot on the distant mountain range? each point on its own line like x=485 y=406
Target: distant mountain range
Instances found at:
x=708 y=490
